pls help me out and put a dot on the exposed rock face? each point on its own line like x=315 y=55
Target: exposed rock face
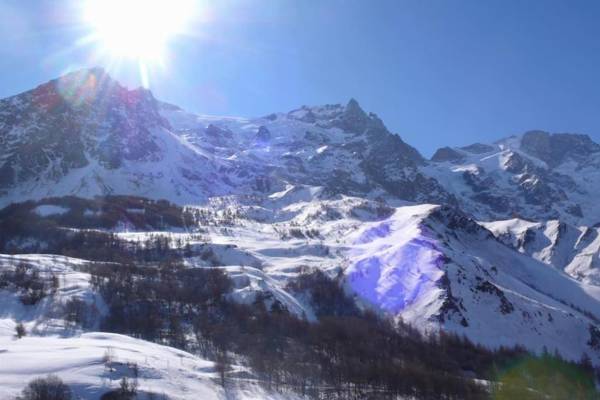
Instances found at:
x=263 y=135
x=554 y=149
x=515 y=164
x=354 y=119
x=85 y=134
x=572 y=249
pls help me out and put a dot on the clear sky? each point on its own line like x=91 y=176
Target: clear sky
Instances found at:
x=438 y=72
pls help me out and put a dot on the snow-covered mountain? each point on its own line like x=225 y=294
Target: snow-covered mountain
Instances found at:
x=84 y=134
x=340 y=148
x=87 y=135
x=536 y=176
x=498 y=242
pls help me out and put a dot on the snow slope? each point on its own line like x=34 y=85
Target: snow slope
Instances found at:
x=80 y=362
x=52 y=346
x=46 y=317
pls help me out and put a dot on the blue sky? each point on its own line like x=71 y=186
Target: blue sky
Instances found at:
x=439 y=72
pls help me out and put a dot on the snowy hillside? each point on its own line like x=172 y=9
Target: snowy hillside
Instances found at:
x=56 y=346
x=432 y=266
x=435 y=267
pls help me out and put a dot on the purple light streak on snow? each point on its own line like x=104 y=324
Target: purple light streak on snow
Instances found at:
x=392 y=278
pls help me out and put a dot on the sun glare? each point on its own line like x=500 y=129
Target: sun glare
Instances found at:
x=136 y=29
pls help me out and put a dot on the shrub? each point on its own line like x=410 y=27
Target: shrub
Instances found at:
x=48 y=388
x=20 y=330
x=127 y=391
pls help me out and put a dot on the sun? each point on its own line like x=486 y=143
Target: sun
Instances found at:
x=136 y=29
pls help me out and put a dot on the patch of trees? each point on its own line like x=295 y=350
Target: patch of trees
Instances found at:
x=96 y=245
x=23 y=231
x=303 y=234
x=325 y=296
x=228 y=216
x=594 y=341
x=107 y=246
x=79 y=313
x=29 y=283
x=158 y=304
x=20 y=330
x=127 y=390
x=52 y=387
x=107 y=212
x=367 y=211
x=347 y=357
x=43 y=233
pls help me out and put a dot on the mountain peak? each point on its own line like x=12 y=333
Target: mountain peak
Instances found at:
x=97 y=71
x=81 y=76
x=354 y=111
x=90 y=85
x=76 y=88
x=447 y=154
x=353 y=106
x=355 y=119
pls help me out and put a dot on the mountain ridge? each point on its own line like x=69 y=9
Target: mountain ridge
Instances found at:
x=371 y=159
